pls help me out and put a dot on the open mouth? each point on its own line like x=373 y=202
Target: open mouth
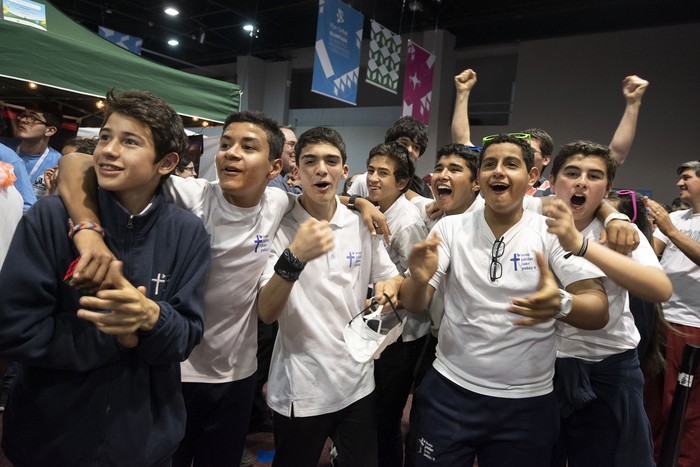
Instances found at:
x=578 y=200
x=444 y=190
x=499 y=187
x=322 y=185
x=231 y=170
x=110 y=167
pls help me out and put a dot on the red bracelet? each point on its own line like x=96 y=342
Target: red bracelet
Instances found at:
x=86 y=226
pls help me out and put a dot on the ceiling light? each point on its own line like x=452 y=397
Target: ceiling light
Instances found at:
x=173 y=42
x=171 y=11
x=195 y=119
x=205 y=123
x=100 y=104
x=32 y=85
x=248 y=27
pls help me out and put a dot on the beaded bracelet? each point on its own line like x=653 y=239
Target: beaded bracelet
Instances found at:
x=288 y=266
x=86 y=226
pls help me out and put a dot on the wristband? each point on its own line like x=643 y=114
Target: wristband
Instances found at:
x=86 y=226
x=581 y=251
x=288 y=266
x=615 y=216
x=351 y=203
x=565 y=305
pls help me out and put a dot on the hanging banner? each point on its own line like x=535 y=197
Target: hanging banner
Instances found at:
x=337 y=55
x=125 y=41
x=418 y=82
x=384 y=58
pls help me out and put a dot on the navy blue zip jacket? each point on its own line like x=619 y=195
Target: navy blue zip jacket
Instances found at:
x=81 y=399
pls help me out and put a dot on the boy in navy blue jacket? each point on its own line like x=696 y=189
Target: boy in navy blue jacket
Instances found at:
x=99 y=382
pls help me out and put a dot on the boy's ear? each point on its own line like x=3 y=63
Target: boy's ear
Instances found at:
x=346 y=170
x=551 y=183
x=168 y=163
x=534 y=175
x=50 y=131
x=275 y=168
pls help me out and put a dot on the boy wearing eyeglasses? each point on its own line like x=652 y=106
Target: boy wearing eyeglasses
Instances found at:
x=598 y=381
x=35 y=127
x=490 y=393
x=320 y=265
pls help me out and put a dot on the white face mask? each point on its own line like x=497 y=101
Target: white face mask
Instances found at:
x=365 y=337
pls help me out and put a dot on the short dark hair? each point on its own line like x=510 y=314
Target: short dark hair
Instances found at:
x=52 y=112
x=541 y=136
x=165 y=124
x=625 y=204
x=695 y=165
x=184 y=162
x=471 y=158
x=587 y=149
x=275 y=137
x=83 y=145
x=404 y=168
x=413 y=129
x=320 y=135
x=524 y=144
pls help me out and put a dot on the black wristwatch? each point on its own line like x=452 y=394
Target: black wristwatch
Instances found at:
x=351 y=203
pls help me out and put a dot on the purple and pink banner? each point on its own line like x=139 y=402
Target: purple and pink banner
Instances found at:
x=418 y=82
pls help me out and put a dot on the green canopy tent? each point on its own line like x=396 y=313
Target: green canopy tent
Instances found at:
x=69 y=57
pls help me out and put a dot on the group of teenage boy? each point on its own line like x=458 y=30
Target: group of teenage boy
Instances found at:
x=135 y=321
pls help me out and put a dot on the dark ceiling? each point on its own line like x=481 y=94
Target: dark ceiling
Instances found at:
x=210 y=31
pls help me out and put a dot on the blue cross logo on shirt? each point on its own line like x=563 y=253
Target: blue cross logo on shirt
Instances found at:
x=350 y=256
x=515 y=259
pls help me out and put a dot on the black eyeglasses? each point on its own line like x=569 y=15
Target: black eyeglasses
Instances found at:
x=31 y=118
x=496 y=269
x=375 y=324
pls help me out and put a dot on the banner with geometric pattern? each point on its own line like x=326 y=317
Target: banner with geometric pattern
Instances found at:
x=418 y=82
x=337 y=51
x=125 y=41
x=384 y=58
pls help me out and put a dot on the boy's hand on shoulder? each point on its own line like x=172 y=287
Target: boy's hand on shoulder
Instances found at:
x=95 y=259
x=126 y=308
x=621 y=236
x=541 y=305
x=373 y=218
x=313 y=239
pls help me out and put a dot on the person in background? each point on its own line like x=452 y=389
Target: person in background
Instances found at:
x=185 y=168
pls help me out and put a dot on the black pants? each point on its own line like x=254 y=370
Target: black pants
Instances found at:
x=217 y=423
x=299 y=441
x=394 y=374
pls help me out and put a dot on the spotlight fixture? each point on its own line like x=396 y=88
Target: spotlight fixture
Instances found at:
x=170 y=11
x=251 y=29
x=195 y=119
x=205 y=123
x=100 y=104
x=173 y=42
x=32 y=85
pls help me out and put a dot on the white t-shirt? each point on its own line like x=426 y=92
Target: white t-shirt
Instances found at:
x=11 y=204
x=359 y=186
x=311 y=368
x=684 y=305
x=407 y=229
x=620 y=334
x=479 y=348
x=240 y=241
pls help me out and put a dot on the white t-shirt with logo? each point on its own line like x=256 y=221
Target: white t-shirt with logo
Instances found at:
x=312 y=369
x=479 y=347
x=240 y=242
x=684 y=305
x=620 y=334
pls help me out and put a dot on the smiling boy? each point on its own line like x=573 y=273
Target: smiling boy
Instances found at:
x=103 y=387
x=489 y=393
x=321 y=262
x=598 y=381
